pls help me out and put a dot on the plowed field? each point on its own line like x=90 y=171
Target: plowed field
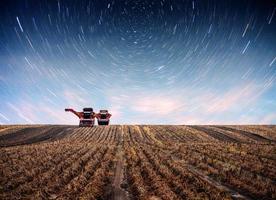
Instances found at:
x=138 y=162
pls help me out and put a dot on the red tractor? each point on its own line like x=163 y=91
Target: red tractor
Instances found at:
x=103 y=117
x=87 y=117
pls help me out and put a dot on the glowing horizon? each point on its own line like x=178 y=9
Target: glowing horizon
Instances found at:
x=180 y=62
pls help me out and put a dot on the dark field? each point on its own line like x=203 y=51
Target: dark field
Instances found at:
x=138 y=162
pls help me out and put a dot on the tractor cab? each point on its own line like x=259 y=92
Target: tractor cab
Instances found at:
x=88 y=118
x=87 y=112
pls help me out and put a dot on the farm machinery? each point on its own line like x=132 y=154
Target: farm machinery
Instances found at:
x=103 y=117
x=87 y=117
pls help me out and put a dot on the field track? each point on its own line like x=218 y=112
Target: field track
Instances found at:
x=137 y=162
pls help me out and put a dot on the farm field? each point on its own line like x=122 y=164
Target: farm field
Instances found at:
x=137 y=162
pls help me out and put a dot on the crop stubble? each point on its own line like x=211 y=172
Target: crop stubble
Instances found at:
x=137 y=162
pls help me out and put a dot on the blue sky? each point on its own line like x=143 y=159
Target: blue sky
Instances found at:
x=163 y=62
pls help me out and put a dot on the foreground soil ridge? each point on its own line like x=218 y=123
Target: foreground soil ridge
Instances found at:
x=138 y=162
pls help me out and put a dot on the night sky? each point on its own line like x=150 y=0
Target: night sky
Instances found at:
x=147 y=62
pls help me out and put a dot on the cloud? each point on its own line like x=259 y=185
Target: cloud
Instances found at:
x=58 y=115
x=269 y=119
x=237 y=98
x=25 y=112
x=143 y=107
x=42 y=113
x=73 y=97
x=156 y=105
x=189 y=106
x=117 y=112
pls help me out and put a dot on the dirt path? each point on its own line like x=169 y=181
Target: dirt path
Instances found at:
x=119 y=193
x=233 y=193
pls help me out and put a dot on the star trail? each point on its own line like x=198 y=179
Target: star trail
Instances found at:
x=147 y=62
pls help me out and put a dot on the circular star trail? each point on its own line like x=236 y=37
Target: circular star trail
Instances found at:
x=151 y=62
